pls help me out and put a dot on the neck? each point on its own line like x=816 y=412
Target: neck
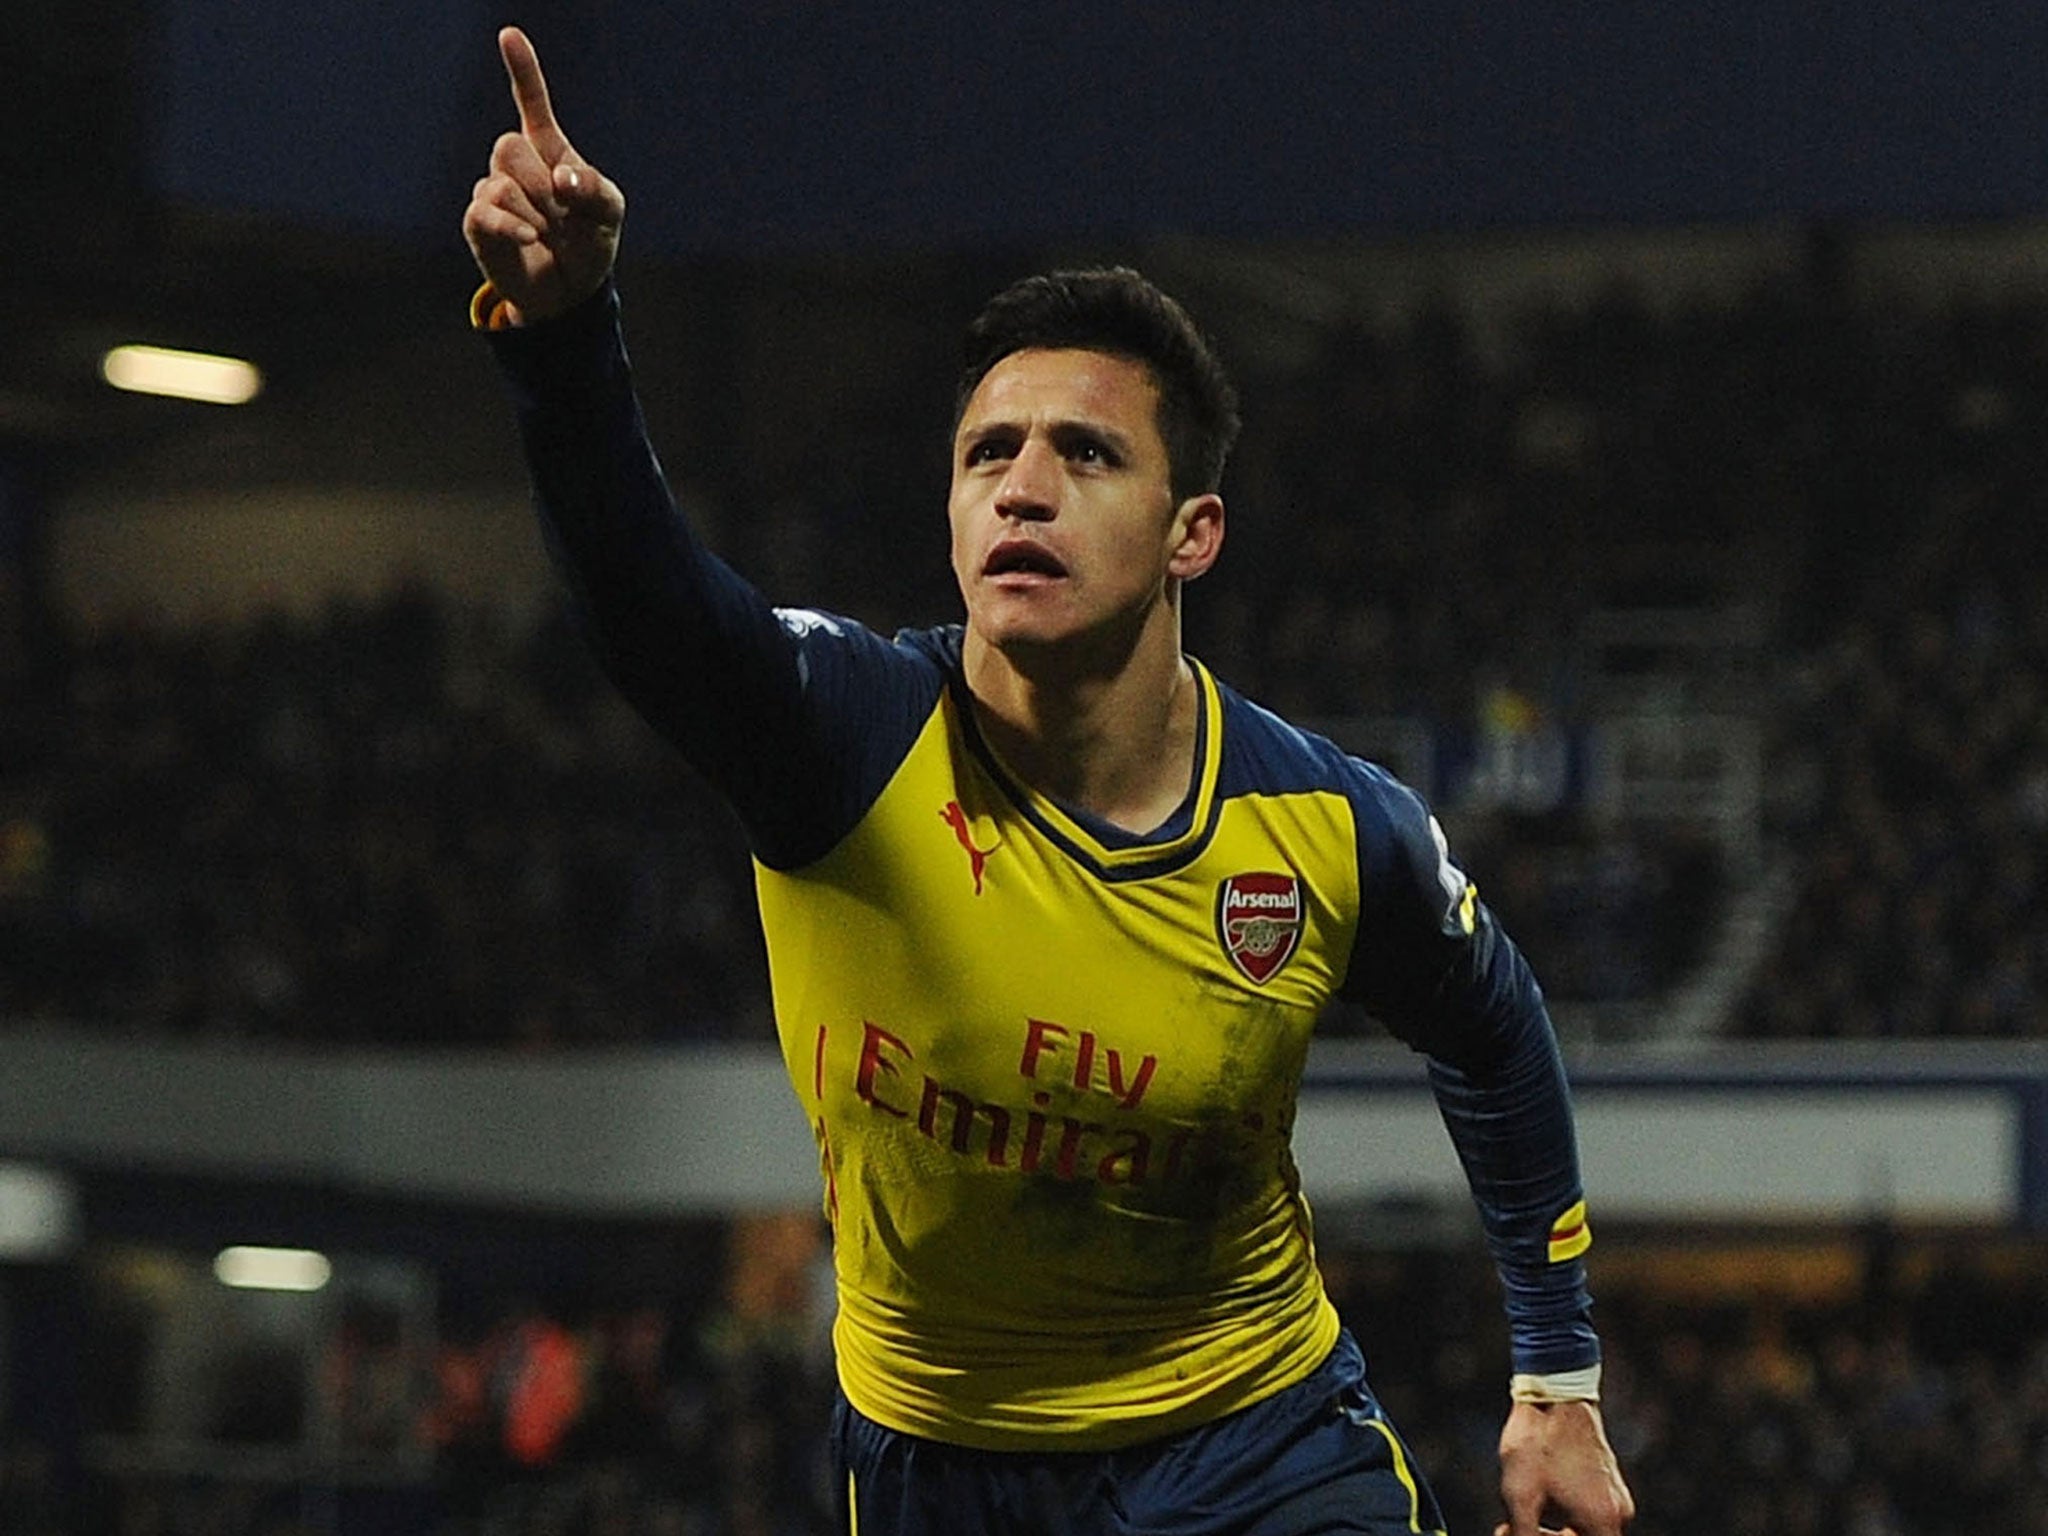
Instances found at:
x=1116 y=741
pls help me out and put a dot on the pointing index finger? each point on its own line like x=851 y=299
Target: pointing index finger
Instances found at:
x=530 y=91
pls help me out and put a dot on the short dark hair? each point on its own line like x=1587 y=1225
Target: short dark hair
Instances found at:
x=1117 y=311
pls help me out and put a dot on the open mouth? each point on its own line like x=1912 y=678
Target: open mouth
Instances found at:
x=1022 y=557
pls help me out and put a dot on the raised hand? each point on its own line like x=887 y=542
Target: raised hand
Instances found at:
x=544 y=223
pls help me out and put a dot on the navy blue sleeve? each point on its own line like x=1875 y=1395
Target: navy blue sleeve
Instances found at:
x=797 y=717
x=1432 y=964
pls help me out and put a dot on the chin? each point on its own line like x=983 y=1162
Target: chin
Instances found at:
x=1025 y=640
x=1033 y=635
x=1005 y=621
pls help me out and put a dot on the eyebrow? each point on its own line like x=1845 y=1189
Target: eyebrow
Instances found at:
x=1063 y=432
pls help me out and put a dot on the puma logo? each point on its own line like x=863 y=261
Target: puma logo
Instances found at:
x=977 y=858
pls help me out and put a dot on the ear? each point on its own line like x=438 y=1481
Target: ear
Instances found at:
x=1197 y=536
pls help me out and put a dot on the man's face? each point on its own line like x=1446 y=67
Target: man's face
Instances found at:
x=1064 y=524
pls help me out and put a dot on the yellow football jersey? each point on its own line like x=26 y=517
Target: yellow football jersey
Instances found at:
x=1052 y=1082
x=1051 y=1066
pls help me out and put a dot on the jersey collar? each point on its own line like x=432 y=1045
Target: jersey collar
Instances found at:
x=1108 y=851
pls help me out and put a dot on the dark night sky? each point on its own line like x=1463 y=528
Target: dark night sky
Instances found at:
x=739 y=123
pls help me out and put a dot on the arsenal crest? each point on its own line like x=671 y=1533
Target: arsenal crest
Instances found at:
x=1258 y=918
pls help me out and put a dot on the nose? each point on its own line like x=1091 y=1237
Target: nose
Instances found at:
x=1030 y=490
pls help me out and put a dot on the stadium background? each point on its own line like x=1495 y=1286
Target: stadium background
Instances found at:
x=1645 y=456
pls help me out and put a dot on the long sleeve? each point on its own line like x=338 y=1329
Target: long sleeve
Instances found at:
x=792 y=714
x=1435 y=966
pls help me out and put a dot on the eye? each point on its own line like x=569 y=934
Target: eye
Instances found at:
x=1079 y=445
x=989 y=448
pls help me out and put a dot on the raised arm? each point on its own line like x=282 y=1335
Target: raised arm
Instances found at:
x=543 y=223
x=796 y=718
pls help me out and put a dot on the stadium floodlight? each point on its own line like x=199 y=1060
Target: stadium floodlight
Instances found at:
x=38 y=1213
x=248 y=1268
x=182 y=375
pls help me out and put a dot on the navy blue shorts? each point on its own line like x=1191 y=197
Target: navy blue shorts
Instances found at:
x=1319 y=1459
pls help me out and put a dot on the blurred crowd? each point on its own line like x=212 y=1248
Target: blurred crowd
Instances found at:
x=1883 y=1407
x=1904 y=1395
x=1916 y=763
x=396 y=825
x=405 y=821
x=1911 y=770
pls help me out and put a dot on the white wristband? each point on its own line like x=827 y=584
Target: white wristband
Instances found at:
x=1580 y=1386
